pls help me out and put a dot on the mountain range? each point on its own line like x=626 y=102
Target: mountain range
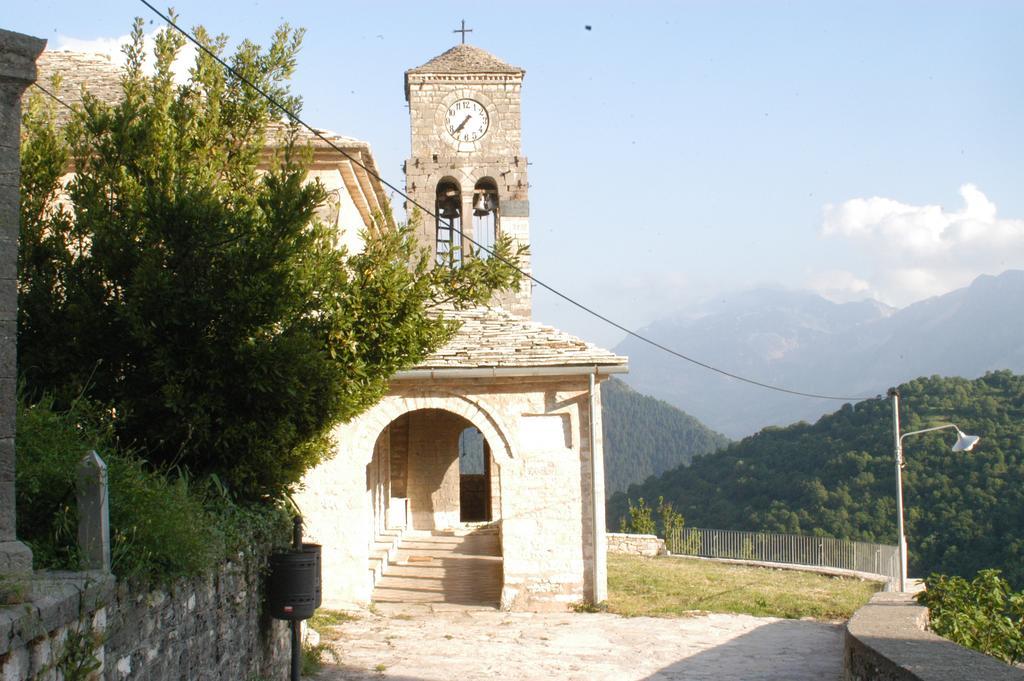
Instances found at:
x=801 y=341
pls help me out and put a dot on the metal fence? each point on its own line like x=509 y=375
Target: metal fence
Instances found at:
x=879 y=559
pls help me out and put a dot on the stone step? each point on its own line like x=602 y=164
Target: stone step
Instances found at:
x=437 y=581
x=462 y=567
x=404 y=553
x=450 y=595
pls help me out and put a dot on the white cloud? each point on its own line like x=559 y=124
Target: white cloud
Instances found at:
x=921 y=251
x=840 y=286
x=112 y=47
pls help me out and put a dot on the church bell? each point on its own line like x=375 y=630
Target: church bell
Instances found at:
x=483 y=204
x=449 y=208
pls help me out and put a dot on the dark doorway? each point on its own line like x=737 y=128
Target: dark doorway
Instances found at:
x=474 y=477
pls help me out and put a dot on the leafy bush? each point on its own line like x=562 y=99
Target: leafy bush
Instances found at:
x=640 y=520
x=162 y=523
x=984 y=613
x=672 y=521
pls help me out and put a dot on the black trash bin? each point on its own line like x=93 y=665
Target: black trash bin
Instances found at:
x=317 y=550
x=293 y=586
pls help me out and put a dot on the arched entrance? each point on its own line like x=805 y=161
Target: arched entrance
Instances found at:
x=434 y=479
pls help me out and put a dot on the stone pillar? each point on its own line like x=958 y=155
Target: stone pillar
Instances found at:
x=18 y=55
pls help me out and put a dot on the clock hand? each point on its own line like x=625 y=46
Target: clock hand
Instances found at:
x=463 y=123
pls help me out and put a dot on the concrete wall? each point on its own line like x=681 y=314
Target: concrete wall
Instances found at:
x=204 y=629
x=539 y=438
x=886 y=640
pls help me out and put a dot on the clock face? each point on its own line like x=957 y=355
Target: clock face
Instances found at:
x=466 y=120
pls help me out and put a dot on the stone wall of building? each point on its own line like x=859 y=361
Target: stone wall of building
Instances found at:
x=433 y=460
x=636 y=544
x=539 y=436
x=206 y=629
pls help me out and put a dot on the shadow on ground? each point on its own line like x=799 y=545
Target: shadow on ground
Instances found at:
x=786 y=650
x=465 y=645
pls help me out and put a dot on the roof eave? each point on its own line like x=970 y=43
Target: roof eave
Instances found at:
x=439 y=373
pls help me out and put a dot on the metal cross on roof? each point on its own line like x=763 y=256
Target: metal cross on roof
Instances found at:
x=463 y=31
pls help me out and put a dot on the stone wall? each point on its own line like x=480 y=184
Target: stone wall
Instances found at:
x=206 y=629
x=886 y=640
x=636 y=544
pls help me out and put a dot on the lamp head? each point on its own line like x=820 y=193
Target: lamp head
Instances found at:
x=964 y=442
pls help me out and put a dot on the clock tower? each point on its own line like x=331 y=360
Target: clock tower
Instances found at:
x=466 y=164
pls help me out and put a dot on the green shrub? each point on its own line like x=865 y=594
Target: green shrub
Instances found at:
x=672 y=521
x=163 y=524
x=640 y=520
x=984 y=613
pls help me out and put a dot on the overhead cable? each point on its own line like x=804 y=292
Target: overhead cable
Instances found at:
x=594 y=313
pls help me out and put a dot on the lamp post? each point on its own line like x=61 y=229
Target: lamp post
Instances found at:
x=964 y=443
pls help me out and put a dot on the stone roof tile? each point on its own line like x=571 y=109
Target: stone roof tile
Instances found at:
x=466 y=59
x=491 y=337
x=97 y=73
x=101 y=77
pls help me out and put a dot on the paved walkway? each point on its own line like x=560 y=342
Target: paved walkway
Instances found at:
x=442 y=643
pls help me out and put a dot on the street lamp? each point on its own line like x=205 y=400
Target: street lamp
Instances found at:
x=964 y=443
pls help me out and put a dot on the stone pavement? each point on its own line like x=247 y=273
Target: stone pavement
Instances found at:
x=438 y=643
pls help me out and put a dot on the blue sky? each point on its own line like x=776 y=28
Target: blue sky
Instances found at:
x=681 y=151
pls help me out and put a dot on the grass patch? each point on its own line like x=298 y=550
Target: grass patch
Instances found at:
x=330 y=618
x=673 y=587
x=312 y=660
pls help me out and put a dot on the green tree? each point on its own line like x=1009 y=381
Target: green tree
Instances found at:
x=196 y=293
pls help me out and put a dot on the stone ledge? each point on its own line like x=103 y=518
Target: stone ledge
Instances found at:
x=57 y=599
x=886 y=640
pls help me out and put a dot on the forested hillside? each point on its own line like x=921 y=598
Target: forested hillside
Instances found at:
x=644 y=436
x=965 y=511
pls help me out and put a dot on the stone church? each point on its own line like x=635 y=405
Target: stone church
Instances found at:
x=479 y=478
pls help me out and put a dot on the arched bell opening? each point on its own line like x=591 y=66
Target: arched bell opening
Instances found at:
x=448 y=209
x=485 y=216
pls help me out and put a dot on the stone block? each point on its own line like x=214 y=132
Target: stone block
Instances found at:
x=518 y=209
x=8 y=349
x=16 y=665
x=8 y=405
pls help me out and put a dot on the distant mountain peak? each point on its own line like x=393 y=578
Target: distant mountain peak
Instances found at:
x=802 y=341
